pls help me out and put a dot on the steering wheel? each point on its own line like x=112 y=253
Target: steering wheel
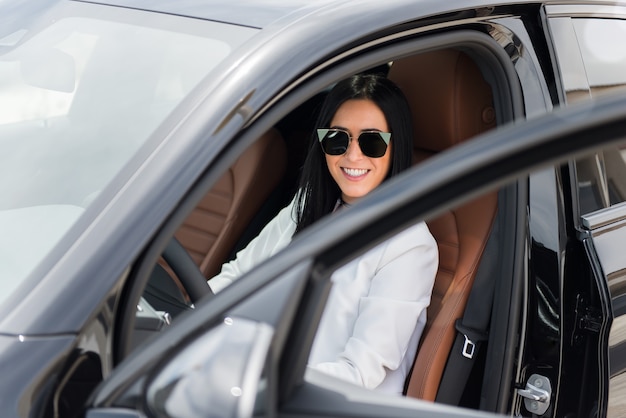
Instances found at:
x=190 y=277
x=187 y=271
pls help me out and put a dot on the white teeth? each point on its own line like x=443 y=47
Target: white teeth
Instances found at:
x=354 y=172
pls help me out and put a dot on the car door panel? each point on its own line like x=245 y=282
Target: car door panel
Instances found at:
x=607 y=230
x=581 y=34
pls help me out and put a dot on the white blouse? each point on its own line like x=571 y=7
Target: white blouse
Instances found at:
x=376 y=310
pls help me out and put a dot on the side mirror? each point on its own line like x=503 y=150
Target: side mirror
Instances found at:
x=218 y=374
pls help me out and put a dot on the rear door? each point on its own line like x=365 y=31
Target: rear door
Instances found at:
x=591 y=61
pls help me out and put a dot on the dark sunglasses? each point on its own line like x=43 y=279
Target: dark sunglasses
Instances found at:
x=335 y=142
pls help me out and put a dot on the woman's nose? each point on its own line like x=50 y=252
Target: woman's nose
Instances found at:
x=354 y=151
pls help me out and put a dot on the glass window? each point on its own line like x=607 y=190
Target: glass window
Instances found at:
x=601 y=180
x=603 y=50
x=598 y=68
x=591 y=55
x=79 y=96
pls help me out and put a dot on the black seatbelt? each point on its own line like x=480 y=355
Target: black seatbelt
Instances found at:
x=473 y=327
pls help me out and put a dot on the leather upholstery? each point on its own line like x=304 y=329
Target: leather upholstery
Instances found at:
x=449 y=98
x=450 y=102
x=211 y=231
x=461 y=236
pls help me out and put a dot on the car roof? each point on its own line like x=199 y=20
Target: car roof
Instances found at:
x=252 y=13
x=261 y=13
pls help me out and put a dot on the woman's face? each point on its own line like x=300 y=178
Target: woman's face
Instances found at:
x=355 y=173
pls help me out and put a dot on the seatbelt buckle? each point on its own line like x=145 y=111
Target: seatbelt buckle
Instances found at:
x=472 y=336
x=468 y=347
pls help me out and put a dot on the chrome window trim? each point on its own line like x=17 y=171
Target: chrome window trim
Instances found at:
x=585 y=10
x=603 y=217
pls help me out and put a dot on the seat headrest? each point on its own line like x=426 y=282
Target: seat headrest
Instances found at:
x=449 y=98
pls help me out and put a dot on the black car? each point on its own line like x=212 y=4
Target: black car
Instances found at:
x=145 y=142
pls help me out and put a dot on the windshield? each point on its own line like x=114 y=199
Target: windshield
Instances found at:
x=80 y=94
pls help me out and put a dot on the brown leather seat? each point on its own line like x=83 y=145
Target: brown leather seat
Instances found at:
x=213 y=228
x=450 y=102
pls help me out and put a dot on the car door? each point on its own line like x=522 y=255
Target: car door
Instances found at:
x=602 y=232
x=591 y=64
x=279 y=303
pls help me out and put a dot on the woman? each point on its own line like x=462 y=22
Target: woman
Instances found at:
x=376 y=310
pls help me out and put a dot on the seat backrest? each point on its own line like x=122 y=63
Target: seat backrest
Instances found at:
x=450 y=102
x=213 y=228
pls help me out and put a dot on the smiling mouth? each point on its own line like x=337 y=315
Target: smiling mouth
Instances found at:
x=355 y=172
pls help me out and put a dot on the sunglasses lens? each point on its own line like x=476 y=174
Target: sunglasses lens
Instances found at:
x=335 y=143
x=372 y=144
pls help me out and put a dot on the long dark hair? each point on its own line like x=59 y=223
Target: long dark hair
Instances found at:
x=317 y=191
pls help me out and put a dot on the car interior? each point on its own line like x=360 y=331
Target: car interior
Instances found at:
x=450 y=102
x=461 y=106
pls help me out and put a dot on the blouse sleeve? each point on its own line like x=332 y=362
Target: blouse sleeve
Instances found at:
x=388 y=313
x=274 y=236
